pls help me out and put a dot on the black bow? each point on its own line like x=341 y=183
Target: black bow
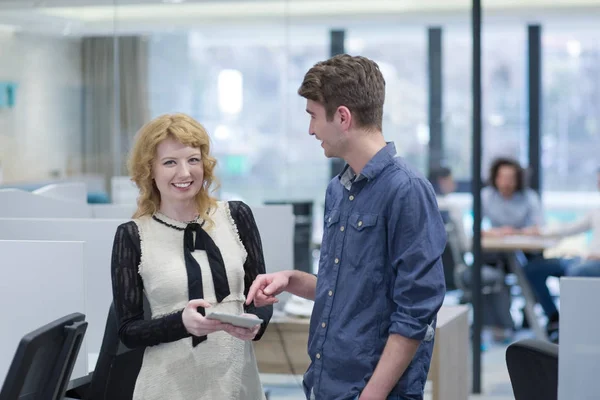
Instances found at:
x=215 y=261
x=194 y=274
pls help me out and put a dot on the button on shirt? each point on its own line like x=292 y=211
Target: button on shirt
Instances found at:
x=380 y=273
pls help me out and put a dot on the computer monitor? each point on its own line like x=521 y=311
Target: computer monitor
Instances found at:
x=44 y=360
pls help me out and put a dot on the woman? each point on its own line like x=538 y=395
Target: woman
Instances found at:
x=189 y=255
x=508 y=204
x=510 y=207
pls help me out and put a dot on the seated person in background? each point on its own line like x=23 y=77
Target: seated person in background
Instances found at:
x=539 y=270
x=507 y=202
x=509 y=206
x=186 y=252
x=496 y=295
x=443 y=183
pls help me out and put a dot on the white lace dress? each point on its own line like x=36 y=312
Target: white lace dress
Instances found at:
x=148 y=258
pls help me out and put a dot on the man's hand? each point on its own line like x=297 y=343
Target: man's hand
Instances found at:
x=397 y=356
x=367 y=396
x=266 y=287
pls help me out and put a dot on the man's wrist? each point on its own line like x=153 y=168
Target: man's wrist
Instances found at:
x=372 y=393
x=289 y=274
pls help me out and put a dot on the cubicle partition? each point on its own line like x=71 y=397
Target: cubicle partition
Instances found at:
x=579 y=350
x=40 y=282
x=67 y=191
x=98 y=235
x=15 y=203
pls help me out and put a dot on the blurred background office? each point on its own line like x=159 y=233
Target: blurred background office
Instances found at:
x=78 y=78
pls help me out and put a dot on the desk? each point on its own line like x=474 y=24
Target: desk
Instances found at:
x=449 y=371
x=514 y=246
x=283 y=349
x=517 y=243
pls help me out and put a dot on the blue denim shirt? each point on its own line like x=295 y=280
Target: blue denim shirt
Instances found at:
x=380 y=273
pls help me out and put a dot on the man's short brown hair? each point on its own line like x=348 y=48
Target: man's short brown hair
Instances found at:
x=355 y=82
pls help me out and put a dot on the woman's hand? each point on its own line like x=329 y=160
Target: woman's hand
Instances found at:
x=242 y=333
x=530 y=231
x=195 y=323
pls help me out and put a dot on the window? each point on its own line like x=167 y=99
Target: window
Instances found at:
x=401 y=55
x=242 y=87
x=504 y=112
x=571 y=121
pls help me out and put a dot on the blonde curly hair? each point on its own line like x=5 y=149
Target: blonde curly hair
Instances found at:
x=187 y=131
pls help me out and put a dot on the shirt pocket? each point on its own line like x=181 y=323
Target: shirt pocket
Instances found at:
x=365 y=244
x=363 y=222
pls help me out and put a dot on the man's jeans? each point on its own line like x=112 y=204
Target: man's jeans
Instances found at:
x=392 y=397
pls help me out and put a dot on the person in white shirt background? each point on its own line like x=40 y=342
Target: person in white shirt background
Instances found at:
x=588 y=264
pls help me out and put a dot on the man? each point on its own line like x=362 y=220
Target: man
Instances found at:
x=380 y=282
x=539 y=270
x=442 y=180
x=443 y=183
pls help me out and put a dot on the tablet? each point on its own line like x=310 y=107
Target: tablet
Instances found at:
x=236 y=320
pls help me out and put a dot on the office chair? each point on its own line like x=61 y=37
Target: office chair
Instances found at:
x=44 y=360
x=533 y=369
x=496 y=295
x=117 y=367
x=454 y=263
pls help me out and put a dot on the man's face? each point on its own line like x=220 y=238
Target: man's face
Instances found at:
x=329 y=133
x=447 y=184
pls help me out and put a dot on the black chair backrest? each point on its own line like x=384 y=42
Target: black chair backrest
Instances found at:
x=452 y=258
x=533 y=369
x=44 y=360
x=117 y=367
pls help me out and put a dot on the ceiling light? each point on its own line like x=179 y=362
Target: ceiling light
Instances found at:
x=230 y=91
x=574 y=48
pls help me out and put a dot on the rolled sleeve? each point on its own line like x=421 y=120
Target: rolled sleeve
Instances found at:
x=416 y=241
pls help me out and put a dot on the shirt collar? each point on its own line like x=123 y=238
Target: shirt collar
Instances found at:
x=348 y=177
x=373 y=167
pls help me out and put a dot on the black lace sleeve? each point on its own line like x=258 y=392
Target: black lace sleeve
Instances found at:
x=255 y=262
x=128 y=296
